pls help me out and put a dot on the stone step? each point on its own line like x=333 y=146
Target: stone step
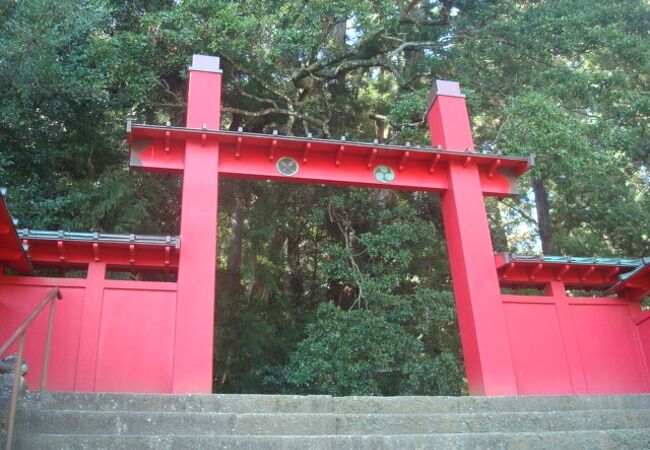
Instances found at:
x=322 y=403
x=226 y=403
x=490 y=422
x=622 y=439
x=152 y=423
x=213 y=424
x=382 y=405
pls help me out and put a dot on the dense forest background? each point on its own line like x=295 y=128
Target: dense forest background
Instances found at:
x=321 y=289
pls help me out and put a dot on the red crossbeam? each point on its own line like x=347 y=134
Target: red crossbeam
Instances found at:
x=257 y=156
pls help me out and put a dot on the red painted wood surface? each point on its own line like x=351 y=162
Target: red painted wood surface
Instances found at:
x=11 y=251
x=125 y=257
x=642 y=323
x=476 y=286
x=522 y=274
x=254 y=156
x=137 y=336
x=575 y=345
x=194 y=323
x=109 y=335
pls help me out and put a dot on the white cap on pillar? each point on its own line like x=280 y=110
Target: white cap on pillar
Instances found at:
x=444 y=87
x=205 y=63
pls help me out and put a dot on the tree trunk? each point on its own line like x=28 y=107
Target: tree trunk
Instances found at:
x=235 y=249
x=296 y=285
x=338 y=33
x=229 y=290
x=237 y=121
x=543 y=217
x=499 y=237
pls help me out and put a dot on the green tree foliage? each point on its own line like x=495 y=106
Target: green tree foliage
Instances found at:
x=62 y=124
x=568 y=81
x=326 y=290
x=360 y=353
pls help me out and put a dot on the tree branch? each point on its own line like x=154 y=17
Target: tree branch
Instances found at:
x=348 y=66
x=255 y=77
x=345 y=230
x=415 y=44
x=255 y=97
x=520 y=211
x=264 y=112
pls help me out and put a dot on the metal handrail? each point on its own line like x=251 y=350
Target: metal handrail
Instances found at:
x=19 y=334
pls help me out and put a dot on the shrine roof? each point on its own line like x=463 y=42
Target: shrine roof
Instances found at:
x=576 y=272
x=12 y=252
x=637 y=279
x=587 y=260
x=108 y=238
x=174 y=132
x=21 y=249
x=128 y=251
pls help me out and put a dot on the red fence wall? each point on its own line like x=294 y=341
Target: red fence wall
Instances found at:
x=119 y=336
x=108 y=335
x=576 y=345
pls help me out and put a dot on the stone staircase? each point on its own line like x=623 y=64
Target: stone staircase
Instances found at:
x=138 y=421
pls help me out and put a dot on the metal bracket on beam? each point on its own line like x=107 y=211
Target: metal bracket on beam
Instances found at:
x=402 y=161
x=434 y=162
x=372 y=156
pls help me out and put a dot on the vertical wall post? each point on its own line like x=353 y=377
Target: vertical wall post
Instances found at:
x=557 y=291
x=193 y=341
x=89 y=329
x=488 y=361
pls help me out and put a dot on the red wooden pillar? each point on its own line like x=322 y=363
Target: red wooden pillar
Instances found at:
x=488 y=361
x=193 y=341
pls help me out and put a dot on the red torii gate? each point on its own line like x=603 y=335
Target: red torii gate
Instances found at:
x=158 y=336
